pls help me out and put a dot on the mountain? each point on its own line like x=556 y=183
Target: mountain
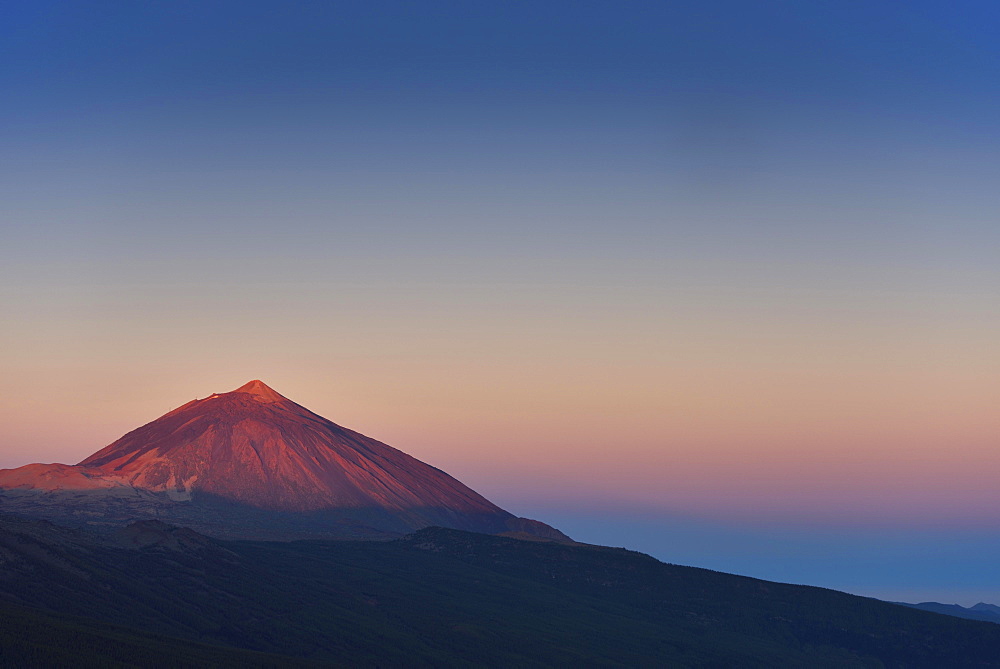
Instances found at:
x=981 y=611
x=253 y=464
x=33 y=638
x=442 y=597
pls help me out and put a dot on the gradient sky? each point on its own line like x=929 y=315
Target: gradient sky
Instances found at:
x=717 y=281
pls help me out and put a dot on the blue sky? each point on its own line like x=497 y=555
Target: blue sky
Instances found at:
x=718 y=262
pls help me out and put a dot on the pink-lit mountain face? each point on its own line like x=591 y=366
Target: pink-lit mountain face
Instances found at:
x=251 y=463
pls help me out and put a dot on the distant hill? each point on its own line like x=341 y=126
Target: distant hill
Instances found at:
x=443 y=597
x=981 y=611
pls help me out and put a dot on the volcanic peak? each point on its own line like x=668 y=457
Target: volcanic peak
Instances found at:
x=233 y=462
x=261 y=391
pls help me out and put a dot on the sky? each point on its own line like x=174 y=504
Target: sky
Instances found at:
x=715 y=281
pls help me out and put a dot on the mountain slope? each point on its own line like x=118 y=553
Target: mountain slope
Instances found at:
x=33 y=638
x=445 y=597
x=251 y=463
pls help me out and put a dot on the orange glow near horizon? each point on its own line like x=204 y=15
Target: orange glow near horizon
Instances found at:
x=728 y=426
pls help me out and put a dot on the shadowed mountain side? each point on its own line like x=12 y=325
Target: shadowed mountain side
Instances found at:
x=449 y=598
x=33 y=638
x=106 y=509
x=253 y=464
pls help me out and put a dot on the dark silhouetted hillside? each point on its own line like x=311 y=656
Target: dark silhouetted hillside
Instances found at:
x=445 y=597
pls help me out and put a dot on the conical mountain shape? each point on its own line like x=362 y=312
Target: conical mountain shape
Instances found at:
x=252 y=463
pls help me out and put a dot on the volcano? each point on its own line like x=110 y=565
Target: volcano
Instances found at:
x=253 y=464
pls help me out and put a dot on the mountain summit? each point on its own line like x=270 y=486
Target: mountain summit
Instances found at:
x=252 y=463
x=260 y=390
